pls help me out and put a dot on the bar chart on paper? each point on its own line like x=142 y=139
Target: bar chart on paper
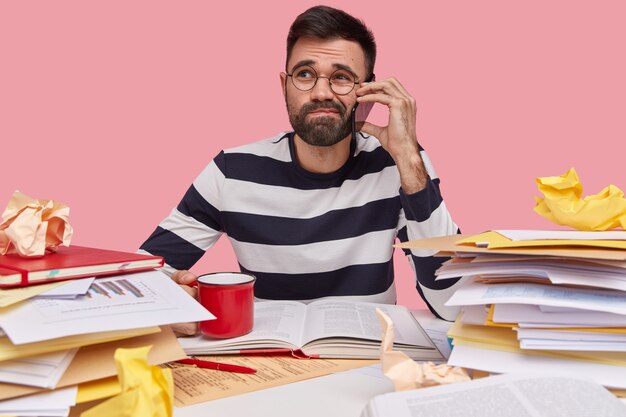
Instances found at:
x=110 y=295
x=122 y=287
x=123 y=302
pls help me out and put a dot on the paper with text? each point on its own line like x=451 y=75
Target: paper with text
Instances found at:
x=596 y=300
x=117 y=303
x=194 y=385
x=502 y=395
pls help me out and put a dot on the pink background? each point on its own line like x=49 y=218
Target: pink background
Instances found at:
x=114 y=107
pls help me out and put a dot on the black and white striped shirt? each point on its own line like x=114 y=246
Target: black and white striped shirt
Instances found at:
x=305 y=235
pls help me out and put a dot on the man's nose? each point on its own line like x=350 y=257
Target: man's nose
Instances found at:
x=322 y=91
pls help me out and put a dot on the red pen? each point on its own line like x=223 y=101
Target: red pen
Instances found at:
x=227 y=367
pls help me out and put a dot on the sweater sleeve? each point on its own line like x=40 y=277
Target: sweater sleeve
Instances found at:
x=424 y=214
x=194 y=225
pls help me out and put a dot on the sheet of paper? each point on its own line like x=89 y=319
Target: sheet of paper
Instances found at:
x=123 y=302
x=69 y=289
x=15 y=295
x=519 y=235
x=436 y=329
x=43 y=371
x=52 y=404
x=98 y=389
x=509 y=362
x=194 y=385
x=474 y=314
x=501 y=395
x=472 y=293
x=10 y=351
x=528 y=313
x=553 y=309
x=599 y=276
x=549 y=345
x=547 y=334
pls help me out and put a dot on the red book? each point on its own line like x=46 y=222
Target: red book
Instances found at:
x=70 y=263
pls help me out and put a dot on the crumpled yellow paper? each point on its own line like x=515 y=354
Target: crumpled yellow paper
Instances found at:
x=407 y=374
x=147 y=390
x=562 y=204
x=31 y=227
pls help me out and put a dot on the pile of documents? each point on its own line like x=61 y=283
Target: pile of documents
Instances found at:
x=546 y=302
x=58 y=339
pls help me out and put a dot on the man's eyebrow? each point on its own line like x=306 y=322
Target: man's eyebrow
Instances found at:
x=345 y=68
x=310 y=63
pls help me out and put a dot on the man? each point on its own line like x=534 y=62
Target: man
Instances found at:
x=314 y=213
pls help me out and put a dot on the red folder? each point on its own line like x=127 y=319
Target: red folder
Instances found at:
x=70 y=263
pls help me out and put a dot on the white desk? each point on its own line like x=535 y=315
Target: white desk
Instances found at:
x=343 y=394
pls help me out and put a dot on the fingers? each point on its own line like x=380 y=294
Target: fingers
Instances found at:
x=184 y=277
x=192 y=291
x=184 y=329
x=388 y=92
x=390 y=86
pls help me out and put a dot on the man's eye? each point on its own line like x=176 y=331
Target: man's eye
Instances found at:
x=305 y=74
x=342 y=77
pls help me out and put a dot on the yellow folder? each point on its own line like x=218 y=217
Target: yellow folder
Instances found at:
x=495 y=240
x=448 y=245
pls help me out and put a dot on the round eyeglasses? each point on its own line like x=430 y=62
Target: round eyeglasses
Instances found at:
x=341 y=81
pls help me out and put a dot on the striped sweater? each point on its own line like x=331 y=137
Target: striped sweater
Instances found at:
x=305 y=235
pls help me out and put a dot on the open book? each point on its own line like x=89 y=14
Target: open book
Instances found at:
x=328 y=328
x=502 y=395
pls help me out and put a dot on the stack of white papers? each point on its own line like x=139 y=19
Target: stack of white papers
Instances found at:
x=540 y=301
x=43 y=329
x=38 y=371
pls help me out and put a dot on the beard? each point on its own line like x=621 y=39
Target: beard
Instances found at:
x=321 y=131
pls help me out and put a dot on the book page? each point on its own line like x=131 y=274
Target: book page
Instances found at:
x=503 y=395
x=340 y=318
x=273 y=321
x=282 y=320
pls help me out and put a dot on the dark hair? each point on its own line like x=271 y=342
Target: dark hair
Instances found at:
x=325 y=22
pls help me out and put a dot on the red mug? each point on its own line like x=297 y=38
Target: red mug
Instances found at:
x=230 y=297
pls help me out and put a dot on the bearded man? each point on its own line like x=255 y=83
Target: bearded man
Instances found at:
x=314 y=212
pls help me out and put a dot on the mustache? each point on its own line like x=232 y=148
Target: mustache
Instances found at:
x=309 y=107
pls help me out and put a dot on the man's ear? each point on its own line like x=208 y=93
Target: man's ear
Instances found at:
x=283 y=83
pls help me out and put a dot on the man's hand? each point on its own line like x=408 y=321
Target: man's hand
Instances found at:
x=184 y=278
x=399 y=137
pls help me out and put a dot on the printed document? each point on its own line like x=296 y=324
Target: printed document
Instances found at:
x=122 y=302
x=473 y=293
x=502 y=395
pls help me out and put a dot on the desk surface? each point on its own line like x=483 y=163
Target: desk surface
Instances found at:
x=342 y=394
